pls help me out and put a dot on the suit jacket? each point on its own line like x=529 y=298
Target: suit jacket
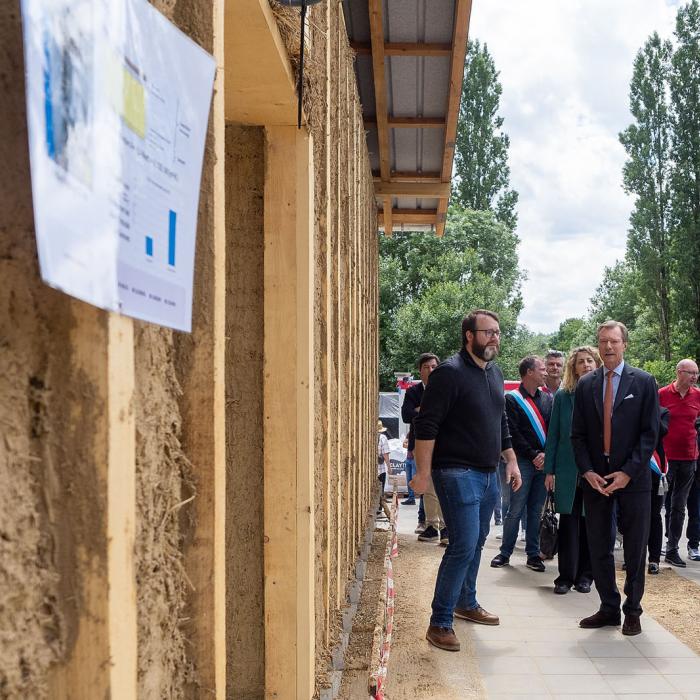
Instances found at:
x=635 y=426
x=411 y=401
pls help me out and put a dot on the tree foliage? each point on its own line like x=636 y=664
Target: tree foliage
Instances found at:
x=428 y=284
x=482 y=174
x=647 y=175
x=685 y=101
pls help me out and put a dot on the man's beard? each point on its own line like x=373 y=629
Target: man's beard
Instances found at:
x=484 y=352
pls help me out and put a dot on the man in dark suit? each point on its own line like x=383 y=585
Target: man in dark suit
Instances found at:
x=614 y=433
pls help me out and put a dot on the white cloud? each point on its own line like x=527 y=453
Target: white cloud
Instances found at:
x=565 y=67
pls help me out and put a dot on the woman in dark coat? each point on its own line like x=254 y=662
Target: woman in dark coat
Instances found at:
x=562 y=476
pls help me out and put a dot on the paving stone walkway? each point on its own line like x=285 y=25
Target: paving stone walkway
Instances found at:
x=539 y=651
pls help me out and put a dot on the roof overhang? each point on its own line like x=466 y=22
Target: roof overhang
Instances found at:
x=409 y=69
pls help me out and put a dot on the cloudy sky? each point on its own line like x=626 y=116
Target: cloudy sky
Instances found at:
x=565 y=68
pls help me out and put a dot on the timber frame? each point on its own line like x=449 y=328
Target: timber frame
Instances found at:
x=397 y=190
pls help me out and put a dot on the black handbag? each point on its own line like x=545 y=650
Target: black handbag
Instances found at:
x=549 y=528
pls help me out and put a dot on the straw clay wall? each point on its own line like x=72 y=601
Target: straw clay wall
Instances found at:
x=345 y=342
x=345 y=310
x=55 y=428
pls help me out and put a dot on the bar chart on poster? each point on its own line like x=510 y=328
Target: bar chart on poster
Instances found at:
x=118 y=103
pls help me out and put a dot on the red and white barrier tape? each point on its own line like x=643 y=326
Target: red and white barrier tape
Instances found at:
x=378 y=677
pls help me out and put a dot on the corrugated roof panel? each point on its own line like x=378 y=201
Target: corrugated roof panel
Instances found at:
x=433 y=144
x=403 y=20
x=439 y=20
x=403 y=74
x=356 y=19
x=435 y=85
x=406 y=144
x=365 y=84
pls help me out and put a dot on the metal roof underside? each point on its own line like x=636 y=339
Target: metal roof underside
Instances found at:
x=411 y=128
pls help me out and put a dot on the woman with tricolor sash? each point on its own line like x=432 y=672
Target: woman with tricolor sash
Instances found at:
x=562 y=477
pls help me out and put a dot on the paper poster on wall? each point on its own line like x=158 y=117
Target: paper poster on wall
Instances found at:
x=117 y=106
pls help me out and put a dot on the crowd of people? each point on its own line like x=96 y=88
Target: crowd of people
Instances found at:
x=612 y=448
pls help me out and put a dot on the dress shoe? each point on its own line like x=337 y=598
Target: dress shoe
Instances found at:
x=693 y=553
x=653 y=567
x=600 y=619
x=442 y=638
x=583 y=587
x=535 y=563
x=674 y=558
x=561 y=588
x=500 y=560
x=478 y=615
x=631 y=625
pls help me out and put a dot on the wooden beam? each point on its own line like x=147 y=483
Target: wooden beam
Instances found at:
x=288 y=426
x=404 y=49
x=460 y=32
x=409 y=122
x=410 y=216
x=121 y=507
x=259 y=85
x=409 y=176
x=412 y=189
x=101 y=660
x=387 y=219
x=376 y=23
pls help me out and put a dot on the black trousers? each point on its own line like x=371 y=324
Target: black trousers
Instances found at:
x=692 y=532
x=656 y=528
x=574 y=557
x=633 y=514
x=681 y=475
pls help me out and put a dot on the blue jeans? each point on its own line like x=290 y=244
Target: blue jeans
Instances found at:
x=467 y=498
x=505 y=492
x=530 y=495
x=410 y=465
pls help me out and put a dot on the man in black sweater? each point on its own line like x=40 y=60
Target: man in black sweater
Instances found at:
x=461 y=432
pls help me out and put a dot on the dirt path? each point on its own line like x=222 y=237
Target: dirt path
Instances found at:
x=417 y=670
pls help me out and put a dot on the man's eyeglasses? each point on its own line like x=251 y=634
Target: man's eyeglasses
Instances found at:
x=490 y=333
x=687 y=371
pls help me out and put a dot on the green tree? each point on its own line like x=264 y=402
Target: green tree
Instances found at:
x=685 y=101
x=616 y=296
x=647 y=175
x=572 y=333
x=482 y=175
x=427 y=284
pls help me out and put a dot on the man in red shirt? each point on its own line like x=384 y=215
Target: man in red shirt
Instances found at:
x=682 y=398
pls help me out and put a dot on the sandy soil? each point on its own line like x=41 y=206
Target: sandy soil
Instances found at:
x=673 y=602
x=414 y=665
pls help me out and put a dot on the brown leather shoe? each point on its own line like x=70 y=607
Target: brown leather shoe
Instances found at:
x=442 y=638
x=600 y=619
x=478 y=615
x=631 y=625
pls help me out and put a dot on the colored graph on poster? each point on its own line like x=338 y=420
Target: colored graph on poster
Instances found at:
x=118 y=103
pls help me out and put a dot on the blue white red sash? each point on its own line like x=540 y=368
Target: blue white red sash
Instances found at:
x=534 y=416
x=655 y=464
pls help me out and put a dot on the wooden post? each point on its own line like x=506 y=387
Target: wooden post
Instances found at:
x=288 y=415
x=102 y=662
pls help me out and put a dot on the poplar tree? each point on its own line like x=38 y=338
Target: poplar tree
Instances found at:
x=685 y=100
x=647 y=175
x=482 y=175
